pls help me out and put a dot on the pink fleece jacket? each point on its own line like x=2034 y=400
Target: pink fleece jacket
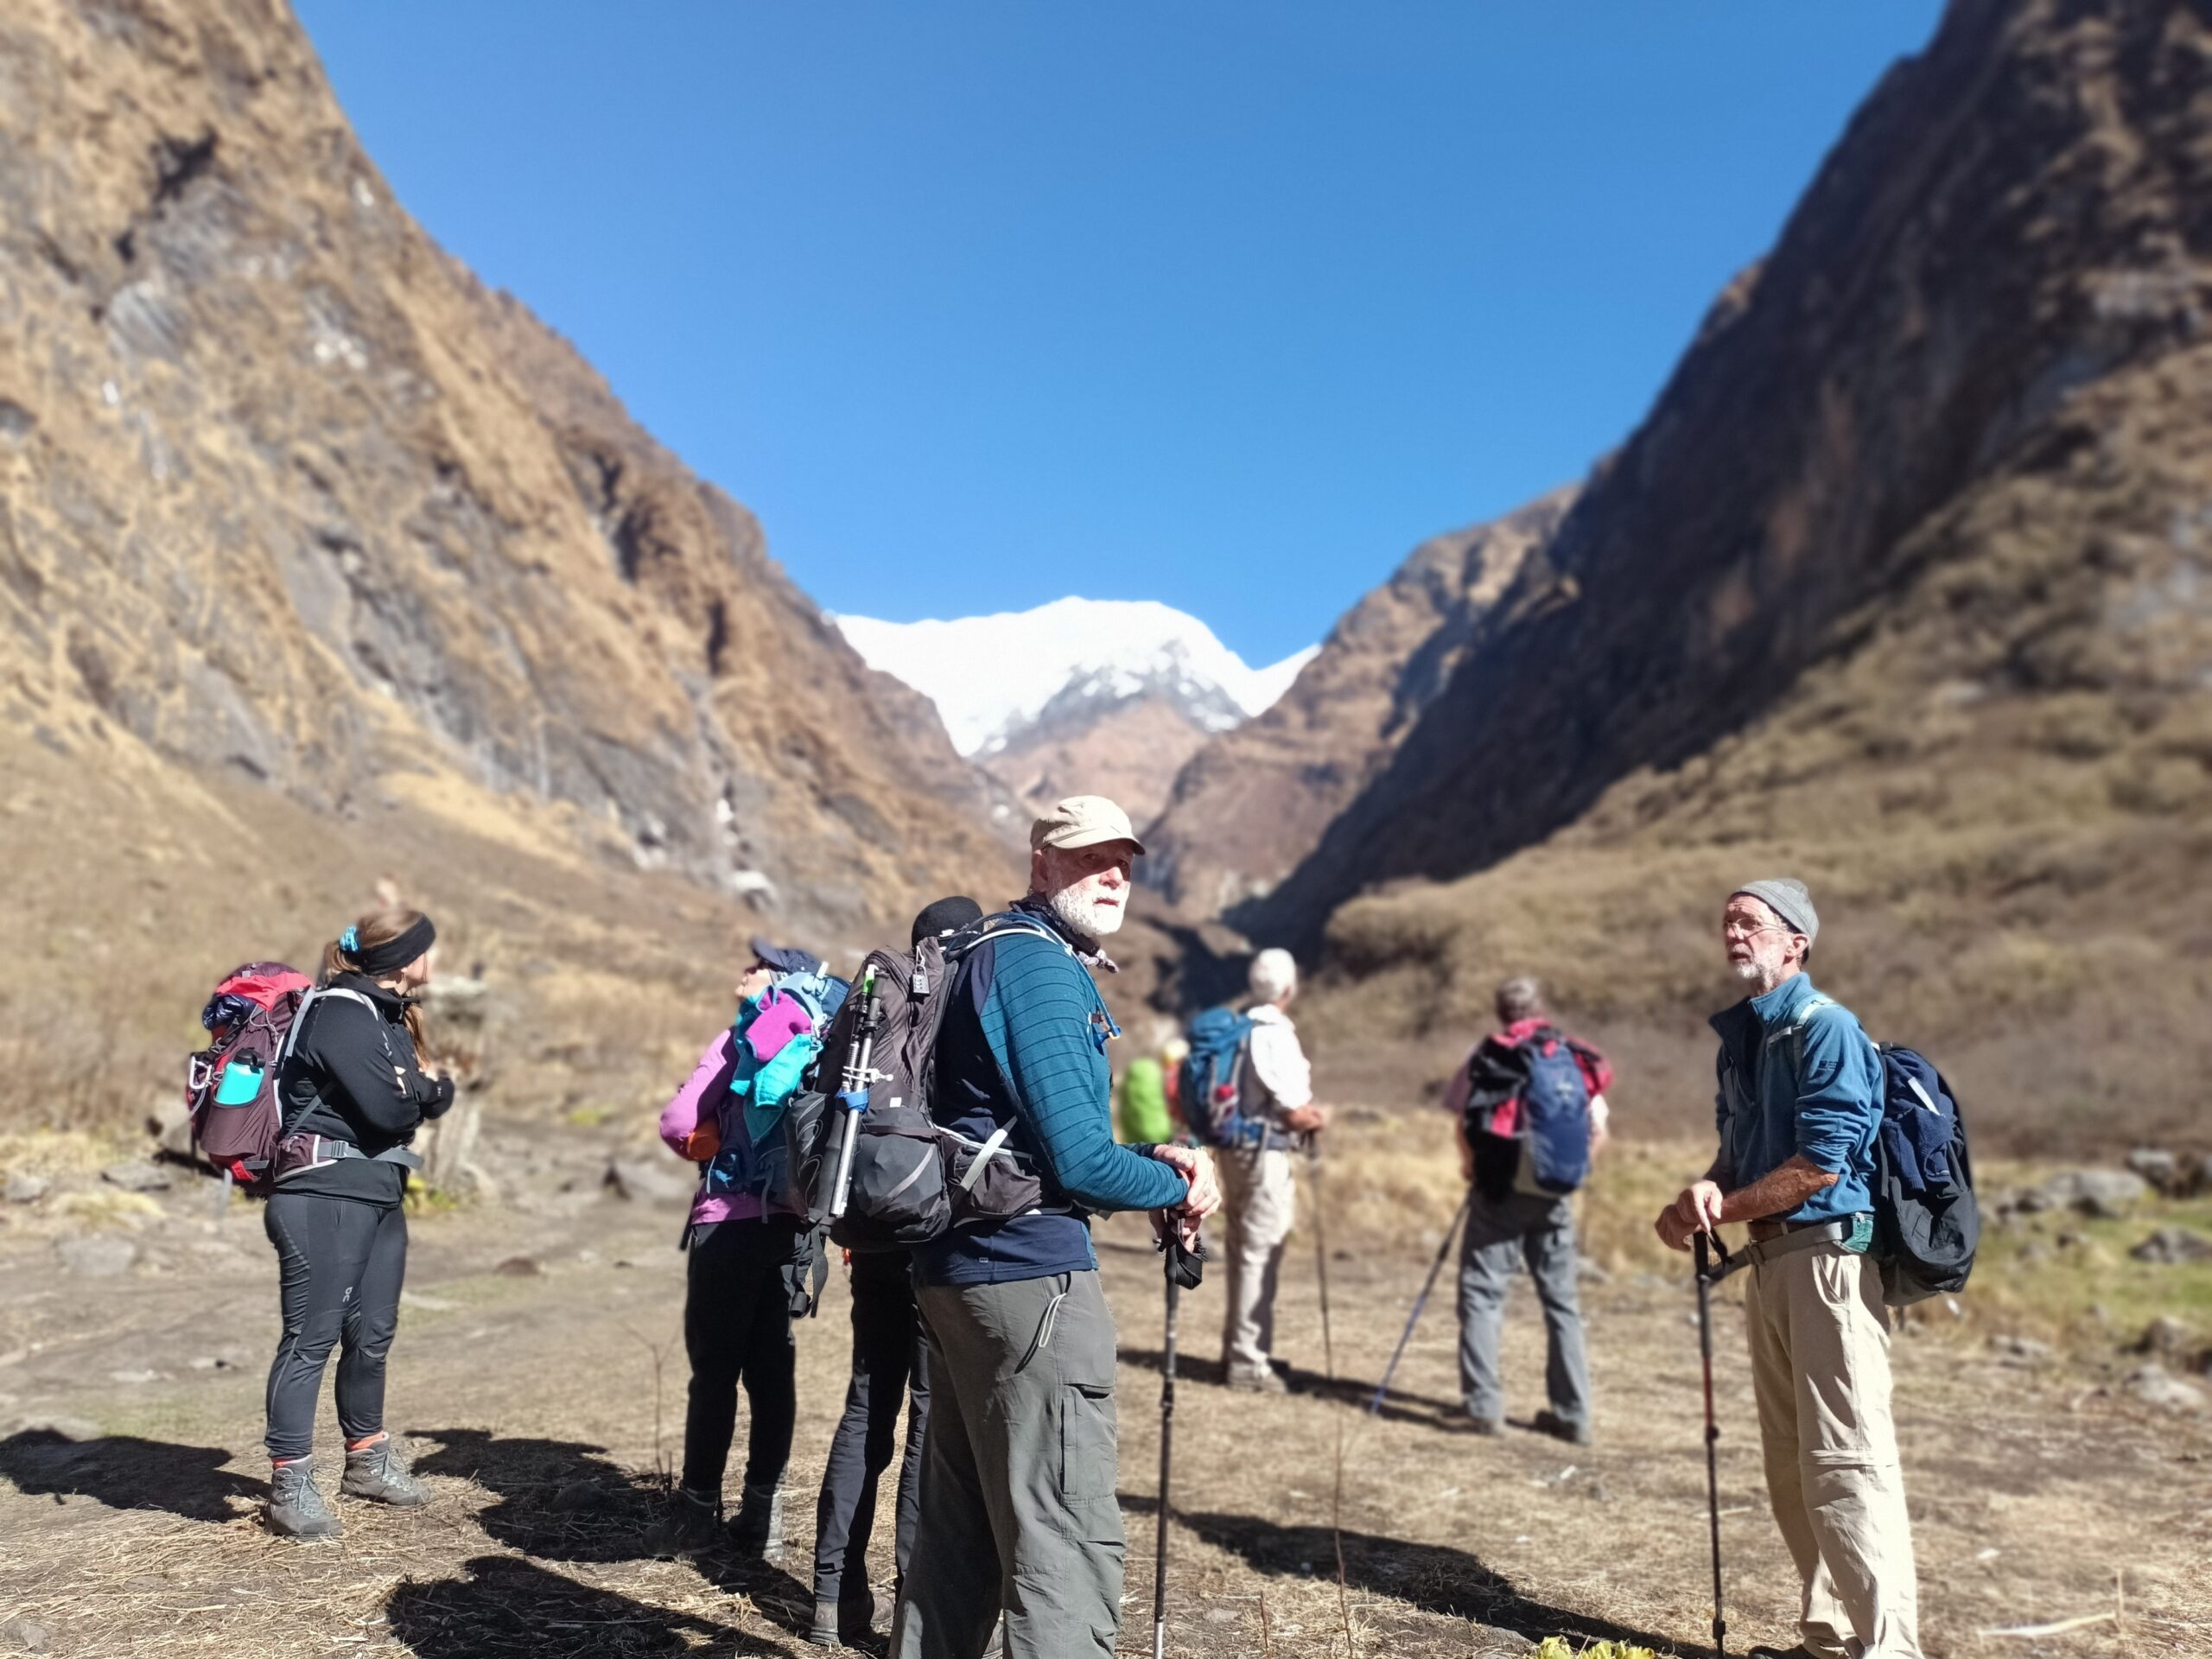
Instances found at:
x=697 y=1104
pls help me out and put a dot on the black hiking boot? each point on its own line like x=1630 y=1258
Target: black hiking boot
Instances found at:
x=844 y=1622
x=689 y=1528
x=756 y=1532
x=295 y=1505
x=1548 y=1422
x=379 y=1473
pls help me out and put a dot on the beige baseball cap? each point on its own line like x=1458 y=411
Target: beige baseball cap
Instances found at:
x=1083 y=821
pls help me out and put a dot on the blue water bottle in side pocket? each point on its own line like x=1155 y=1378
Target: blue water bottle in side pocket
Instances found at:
x=240 y=1085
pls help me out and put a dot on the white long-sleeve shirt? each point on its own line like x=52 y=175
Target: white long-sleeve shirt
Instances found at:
x=1279 y=1067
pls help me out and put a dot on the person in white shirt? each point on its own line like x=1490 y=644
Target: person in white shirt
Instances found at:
x=1259 y=1191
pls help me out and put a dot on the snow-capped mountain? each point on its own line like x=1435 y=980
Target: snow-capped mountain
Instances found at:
x=992 y=677
x=1082 y=695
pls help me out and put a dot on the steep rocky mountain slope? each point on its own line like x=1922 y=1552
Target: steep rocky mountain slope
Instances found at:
x=301 y=526
x=1905 y=583
x=1256 y=799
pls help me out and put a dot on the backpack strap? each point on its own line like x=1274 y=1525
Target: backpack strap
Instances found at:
x=312 y=996
x=1794 y=1031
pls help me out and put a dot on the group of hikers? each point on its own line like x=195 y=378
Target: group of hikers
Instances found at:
x=992 y=1336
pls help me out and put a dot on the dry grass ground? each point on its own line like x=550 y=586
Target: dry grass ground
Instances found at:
x=538 y=1372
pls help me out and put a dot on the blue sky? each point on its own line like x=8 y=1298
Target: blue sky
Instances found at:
x=979 y=304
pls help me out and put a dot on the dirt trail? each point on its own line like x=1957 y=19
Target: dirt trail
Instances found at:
x=127 y=1527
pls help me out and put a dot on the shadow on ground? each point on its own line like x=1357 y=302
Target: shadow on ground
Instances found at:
x=558 y=1500
x=509 y=1607
x=1401 y=1407
x=125 y=1473
x=1434 y=1578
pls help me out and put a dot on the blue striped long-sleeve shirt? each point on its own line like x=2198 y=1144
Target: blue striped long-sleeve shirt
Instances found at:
x=1024 y=1046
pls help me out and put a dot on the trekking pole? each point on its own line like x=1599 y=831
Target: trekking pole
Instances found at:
x=852 y=1090
x=1707 y=1276
x=1183 y=1269
x=1420 y=1301
x=1321 y=1253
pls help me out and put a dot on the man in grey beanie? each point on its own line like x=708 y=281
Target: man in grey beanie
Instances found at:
x=1800 y=1100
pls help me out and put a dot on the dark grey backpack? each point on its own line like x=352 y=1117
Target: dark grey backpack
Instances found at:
x=911 y=1180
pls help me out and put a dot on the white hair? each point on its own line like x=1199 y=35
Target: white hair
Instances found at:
x=1274 y=976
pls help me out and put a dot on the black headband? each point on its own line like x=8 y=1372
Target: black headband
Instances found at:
x=378 y=960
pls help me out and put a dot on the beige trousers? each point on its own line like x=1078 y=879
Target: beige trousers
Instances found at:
x=1259 y=1200
x=1820 y=1342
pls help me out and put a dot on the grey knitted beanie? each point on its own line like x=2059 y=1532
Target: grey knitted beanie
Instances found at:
x=1786 y=897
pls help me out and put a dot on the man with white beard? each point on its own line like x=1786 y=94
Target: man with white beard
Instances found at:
x=1799 y=1104
x=1018 y=1505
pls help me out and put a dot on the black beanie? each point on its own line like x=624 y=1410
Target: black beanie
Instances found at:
x=943 y=916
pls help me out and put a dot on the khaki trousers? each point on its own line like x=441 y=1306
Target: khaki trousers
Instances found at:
x=1018 y=1505
x=1820 y=1345
x=1259 y=1201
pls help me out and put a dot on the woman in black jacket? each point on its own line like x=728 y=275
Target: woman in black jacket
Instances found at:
x=353 y=1089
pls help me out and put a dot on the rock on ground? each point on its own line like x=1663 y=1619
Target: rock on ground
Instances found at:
x=639 y=1178
x=137 y=1177
x=2154 y=1385
x=97 y=1255
x=2171 y=1246
x=24 y=1187
x=2108 y=1193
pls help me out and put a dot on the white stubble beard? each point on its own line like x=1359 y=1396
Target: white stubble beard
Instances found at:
x=1079 y=910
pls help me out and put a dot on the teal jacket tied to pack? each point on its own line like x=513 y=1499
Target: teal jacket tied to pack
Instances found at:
x=1792 y=1082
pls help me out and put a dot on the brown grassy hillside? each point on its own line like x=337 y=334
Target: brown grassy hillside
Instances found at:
x=1903 y=585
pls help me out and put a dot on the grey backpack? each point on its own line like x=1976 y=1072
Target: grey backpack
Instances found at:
x=910 y=1179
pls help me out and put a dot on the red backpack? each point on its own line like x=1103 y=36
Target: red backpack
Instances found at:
x=230 y=1086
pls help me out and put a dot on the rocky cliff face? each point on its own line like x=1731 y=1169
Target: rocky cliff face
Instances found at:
x=1903 y=584
x=289 y=496
x=1254 y=801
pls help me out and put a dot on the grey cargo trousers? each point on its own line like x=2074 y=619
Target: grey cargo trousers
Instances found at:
x=1018 y=1507
x=1504 y=1234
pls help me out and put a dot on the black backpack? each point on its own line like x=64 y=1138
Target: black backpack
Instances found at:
x=912 y=1179
x=1927 y=1223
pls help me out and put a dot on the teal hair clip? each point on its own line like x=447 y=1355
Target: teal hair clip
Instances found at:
x=350 y=942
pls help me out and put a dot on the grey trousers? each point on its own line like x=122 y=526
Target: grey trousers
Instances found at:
x=1018 y=1509
x=1502 y=1234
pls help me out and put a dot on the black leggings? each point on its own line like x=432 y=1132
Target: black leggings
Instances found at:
x=340 y=1262
x=887 y=1363
x=737 y=1327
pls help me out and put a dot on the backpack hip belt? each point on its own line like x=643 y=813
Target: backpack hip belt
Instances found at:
x=1795 y=1236
x=322 y=1151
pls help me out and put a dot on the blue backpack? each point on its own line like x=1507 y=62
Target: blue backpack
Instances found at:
x=1926 y=1222
x=1210 y=1079
x=1554 y=1118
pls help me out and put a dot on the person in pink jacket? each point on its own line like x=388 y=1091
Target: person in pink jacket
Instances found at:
x=746 y=1271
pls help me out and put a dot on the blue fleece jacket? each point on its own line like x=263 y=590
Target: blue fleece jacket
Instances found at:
x=1024 y=1043
x=1770 y=1106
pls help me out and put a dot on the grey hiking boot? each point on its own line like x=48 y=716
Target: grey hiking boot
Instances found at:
x=1254 y=1379
x=1488 y=1428
x=295 y=1505
x=844 y=1622
x=757 y=1531
x=689 y=1528
x=380 y=1474
x=1548 y=1422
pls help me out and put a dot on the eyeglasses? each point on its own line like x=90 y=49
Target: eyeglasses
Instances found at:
x=1732 y=930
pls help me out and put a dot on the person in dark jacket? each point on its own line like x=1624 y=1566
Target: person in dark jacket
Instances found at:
x=353 y=1088
x=887 y=1367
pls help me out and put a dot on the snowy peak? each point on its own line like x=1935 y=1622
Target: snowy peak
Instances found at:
x=996 y=679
